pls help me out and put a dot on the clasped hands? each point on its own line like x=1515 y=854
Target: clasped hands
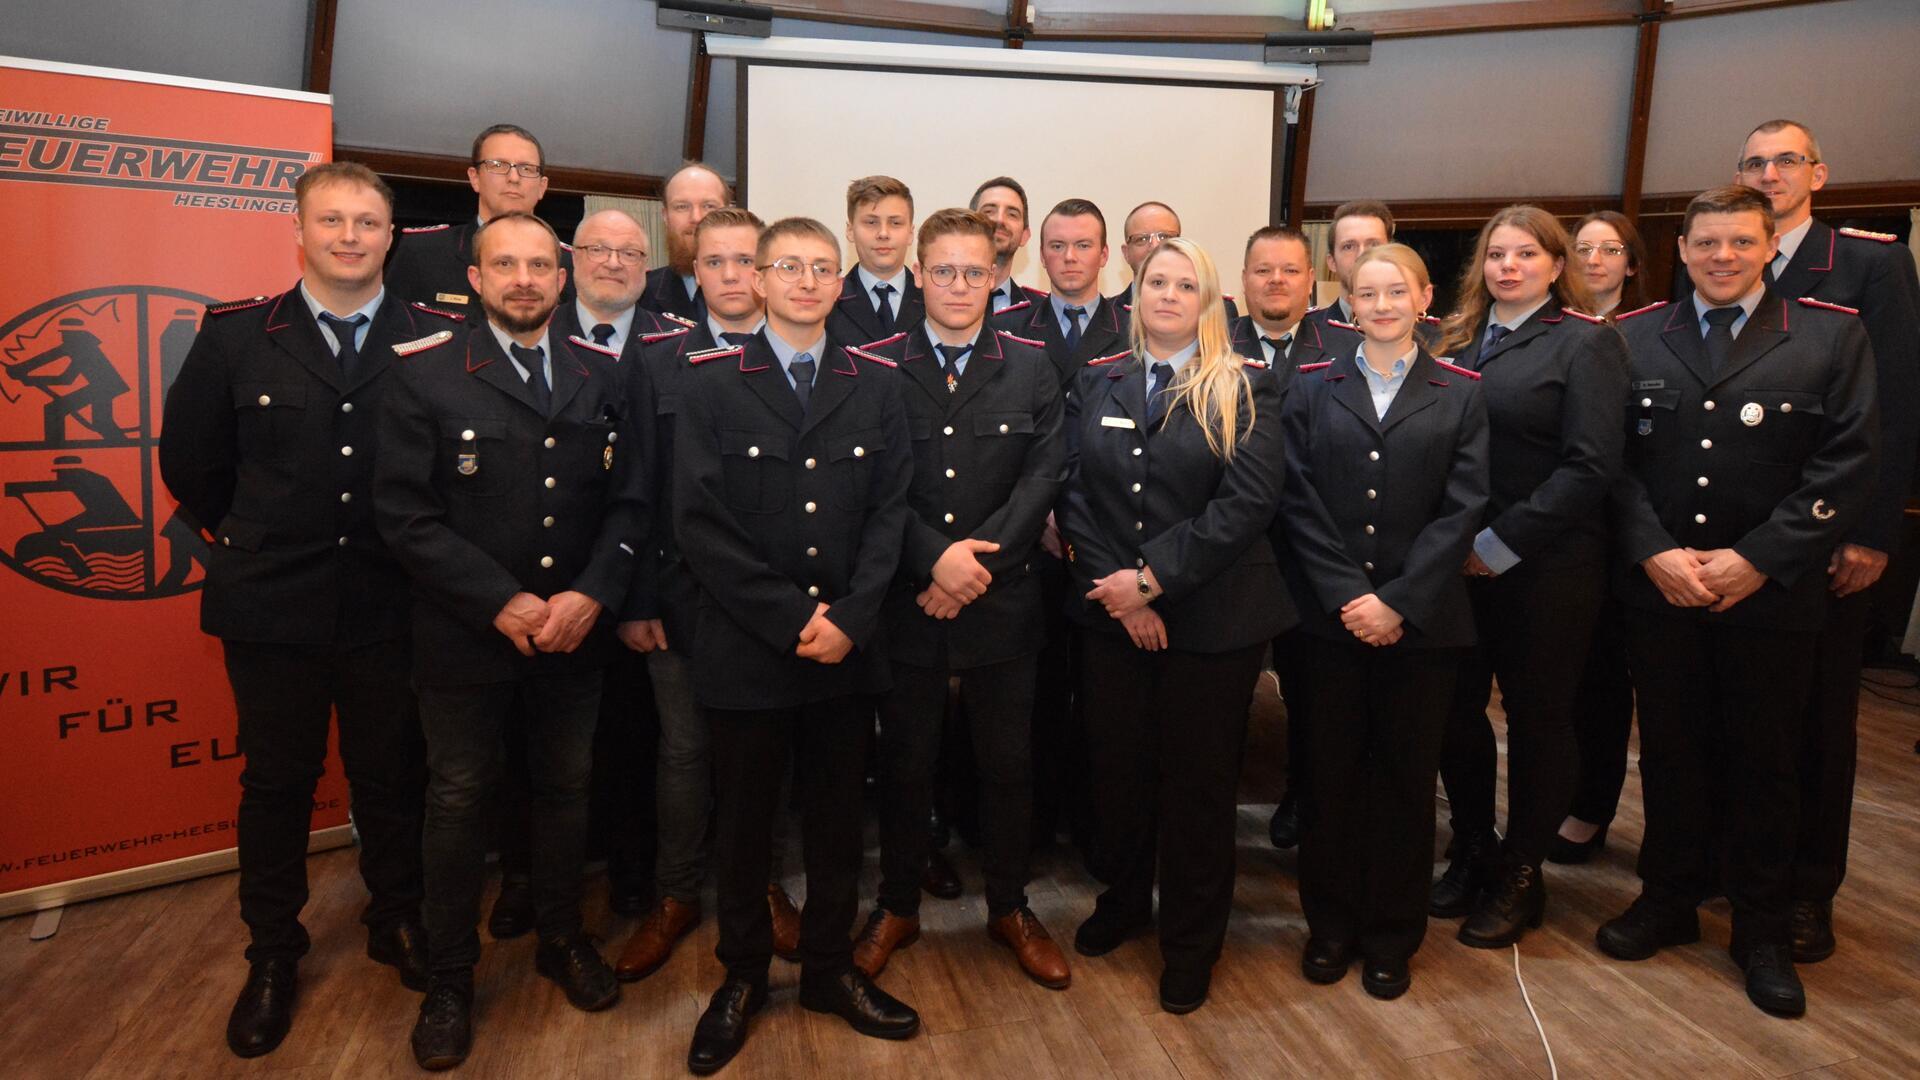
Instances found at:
x=557 y=624
x=1715 y=580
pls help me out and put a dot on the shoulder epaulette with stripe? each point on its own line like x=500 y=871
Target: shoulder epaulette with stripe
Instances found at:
x=1110 y=359
x=1011 y=336
x=862 y=353
x=1433 y=320
x=662 y=335
x=1584 y=317
x=1457 y=369
x=235 y=305
x=1811 y=302
x=1862 y=234
x=717 y=353
x=566 y=247
x=585 y=344
x=1015 y=307
x=1128 y=308
x=681 y=319
x=433 y=340
x=454 y=315
x=424 y=228
x=1252 y=363
x=883 y=342
x=1316 y=366
x=1655 y=306
x=1343 y=325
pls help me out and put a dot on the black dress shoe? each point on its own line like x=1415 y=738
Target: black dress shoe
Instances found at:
x=722 y=1029
x=402 y=946
x=1386 y=979
x=579 y=969
x=1574 y=852
x=1772 y=983
x=1326 y=960
x=1472 y=871
x=1646 y=927
x=866 y=1008
x=1283 y=831
x=1182 y=990
x=1812 y=930
x=443 y=1034
x=629 y=895
x=940 y=879
x=512 y=909
x=264 y=1010
x=1107 y=928
x=1505 y=912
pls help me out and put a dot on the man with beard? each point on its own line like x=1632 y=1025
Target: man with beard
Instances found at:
x=691 y=194
x=512 y=487
x=1003 y=201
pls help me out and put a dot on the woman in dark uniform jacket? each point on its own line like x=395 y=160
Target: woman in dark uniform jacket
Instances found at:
x=1386 y=485
x=1175 y=467
x=1554 y=378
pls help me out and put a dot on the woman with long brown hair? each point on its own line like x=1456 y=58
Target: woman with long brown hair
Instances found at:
x=1610 y=255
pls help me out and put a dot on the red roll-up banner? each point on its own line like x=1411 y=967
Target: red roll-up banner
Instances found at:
x=132 y=201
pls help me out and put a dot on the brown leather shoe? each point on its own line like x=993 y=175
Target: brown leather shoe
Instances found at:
x=883 y=933
x=653 y=942
x=786 y=923
x=1040 y=958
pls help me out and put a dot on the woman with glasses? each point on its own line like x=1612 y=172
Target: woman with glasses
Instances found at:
x=1610 y=254
x=1554 y=378
x=1174 y=472
x=1386 y=482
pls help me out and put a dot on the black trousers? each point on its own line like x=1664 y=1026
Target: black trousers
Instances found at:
x=1293 y=666
x=998 y=699
x=1603 y=719
x=1060 y=794
x=1721 y=711
x=467 y=729
x=1536 y=626
x=1828 y=749
x=1365 y=861
x=1167 y=733
x=285 y=696
x=827 y=741
x=626 y=751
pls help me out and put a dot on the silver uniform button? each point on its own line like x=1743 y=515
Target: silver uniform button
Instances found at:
x=1786 y=406
x=1373 y=455
x=1699 y=519
x=946 y=431
x=1706 y=444
x=226 y=541
x=1139 y=564
x=546 y=522
x=1369 y=530
x=549 y=481
x=753 y=451
x=548 y=442
x=1139 y=526
x=1372 y=494
x=948 y=518
x=1646 y=402
x=811 y=463
x=266 y=399
x=346 y=451
x=613 y=436
x=950 y=474
x=343 y=541
x=859 y=451
x=1702 y=481
x=346 y=406
x=1003 y=429
x=546 y=561
x=346 y=496
x=811 y=508
x=467 y=435
x=813 y=590
x=1136 y=489
x=1707 y=405
x=1367 y=566
x=813 y=552
x=1136 y=451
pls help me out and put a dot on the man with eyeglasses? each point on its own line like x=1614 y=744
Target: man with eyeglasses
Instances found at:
x=508 y=174
x=691 y=193
x=966 y=603
x=1003 y=201
x=792 y=460
x=1146 y=226
x=1873 y=274
x=876 y=299
x=1358 y=227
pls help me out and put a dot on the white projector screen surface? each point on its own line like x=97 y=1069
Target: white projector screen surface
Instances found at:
x=1207 y=151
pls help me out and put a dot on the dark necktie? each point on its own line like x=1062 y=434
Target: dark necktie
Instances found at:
x=998 y=299
x=735 y=337
x=1158 y=397
x=534 y=360
x=1720 y=336
x=802 y=371
x=1279 y=345
x=881 y=309
x=602 y=334
x=345 y=331
x=1074 y=315
x=1494 y=338
x=950 y=363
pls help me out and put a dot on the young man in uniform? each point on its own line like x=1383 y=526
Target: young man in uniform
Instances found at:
x=877 y=297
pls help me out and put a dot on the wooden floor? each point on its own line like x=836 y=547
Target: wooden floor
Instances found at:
x=139 y=985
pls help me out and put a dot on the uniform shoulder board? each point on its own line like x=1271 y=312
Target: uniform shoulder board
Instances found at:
x=682 y=320
x=1457 y=370
x=585 y=344
x=1584 y=317
x=1229 y=296
x=1811 y=302
x=1862 y=234
x=1110 y=359
x=1021 y=306
x=1431 y=320
x=883 y=342
x=433 y=340
x=1252 y=363
x=566 y=247
x=718 y=353
x=1655 y=306
x=1316 y=366
x=1128 y=308
x=235 y=305
x=1343 y=325
x=1011 y=336
x=662 y=335
x=862 y=353
x=425 y=228
x=454 y=315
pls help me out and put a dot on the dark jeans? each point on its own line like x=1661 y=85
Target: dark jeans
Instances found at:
x=1365 y=862
x=466 y=729
x=1167 y=735
x=625 y=745
x=827 y=741
x=1060 y=792
x=998 y=700
x=285 y=696
x=1603 y=719
x=1721 y=710
x=1828 y=748
x=684 y=779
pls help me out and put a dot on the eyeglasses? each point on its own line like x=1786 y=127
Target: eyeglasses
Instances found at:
x=715 y=263
x=978 y=277
x=601 y=253
x=1612 y=251
x=1785 y=163
x=1145 y=238
x=790 y=269
x=527 y=169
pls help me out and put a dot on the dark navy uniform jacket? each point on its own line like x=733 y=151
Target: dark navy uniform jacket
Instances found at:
x=1104 y=334
x=1312 y=343
x=667 y=294
x=854 y=318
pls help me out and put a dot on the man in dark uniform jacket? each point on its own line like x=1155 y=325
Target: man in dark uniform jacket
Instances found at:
x=690 y=195
x=877 y=300
x=1003 y=201
x=1875 y=275
x=508 y=174
x=512 y=487
x=258 y=444
x=791 y=467
x=984 y=410
x=1147 y=225
x=1750 y=454
x=1359 y=226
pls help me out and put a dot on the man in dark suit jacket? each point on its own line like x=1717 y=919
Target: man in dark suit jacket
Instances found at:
x=1358 y=227
x=258 y=445
x=877 y=299
x=1003 y=201
x=984 y=411
x=508 y=174
x=1874 y=274
x=791 y=467
x=1147 y=225
x=512 y=487
x=690 y=194
x=1750 y=455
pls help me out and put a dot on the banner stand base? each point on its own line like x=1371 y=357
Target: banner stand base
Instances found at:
x=46 y=923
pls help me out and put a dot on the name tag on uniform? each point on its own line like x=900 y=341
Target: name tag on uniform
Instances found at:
x=1650 y=384
x=450 y=298
x=1117 y=421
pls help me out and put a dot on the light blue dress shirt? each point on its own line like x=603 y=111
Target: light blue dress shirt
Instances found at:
x=785 y=354
x=370 y=309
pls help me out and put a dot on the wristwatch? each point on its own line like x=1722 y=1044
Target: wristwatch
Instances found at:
x=1145 y=589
